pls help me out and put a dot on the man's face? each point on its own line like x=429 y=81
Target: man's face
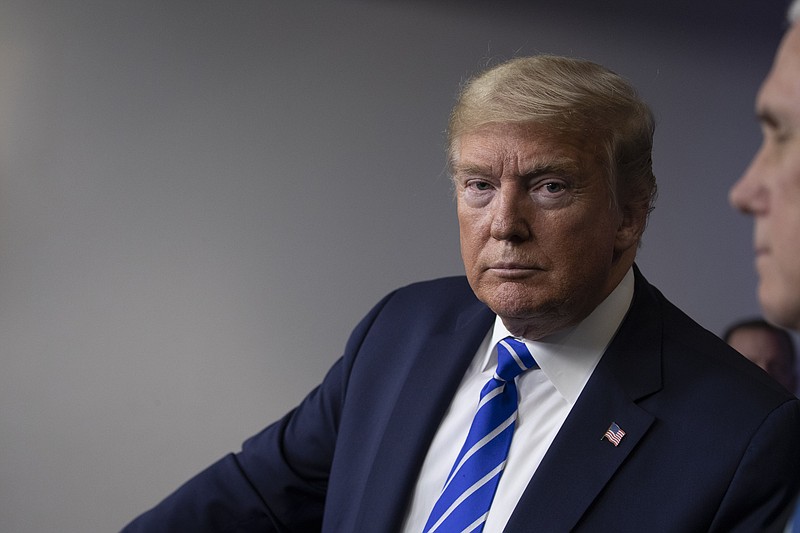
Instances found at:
x=770 y=188
x=541 y=239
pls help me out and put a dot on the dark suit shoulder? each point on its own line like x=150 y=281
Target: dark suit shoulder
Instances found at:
x=694 y=364
x=730 y=381
x=437 y=304
x=727 y=362
x=448 y=289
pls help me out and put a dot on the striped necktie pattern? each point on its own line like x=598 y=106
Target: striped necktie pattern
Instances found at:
x=468 y=492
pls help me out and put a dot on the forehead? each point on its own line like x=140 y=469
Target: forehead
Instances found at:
x=523 y=147
x=780 y=92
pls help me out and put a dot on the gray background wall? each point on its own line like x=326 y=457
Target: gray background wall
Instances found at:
x=198 y=200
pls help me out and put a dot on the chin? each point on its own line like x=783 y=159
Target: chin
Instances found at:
x=786 y=320
x=781 y=320
x=525 y=309
x=781 y=311
x=508 y=298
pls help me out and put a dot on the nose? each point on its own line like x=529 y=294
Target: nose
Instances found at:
x=510 y=217
x=749 y=195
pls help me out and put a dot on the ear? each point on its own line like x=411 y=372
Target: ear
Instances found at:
x=631 y=227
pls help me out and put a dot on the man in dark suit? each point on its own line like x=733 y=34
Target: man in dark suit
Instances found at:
x=625 y=414
x=769 y=190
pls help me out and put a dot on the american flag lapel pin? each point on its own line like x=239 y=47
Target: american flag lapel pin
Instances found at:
x=614 y=434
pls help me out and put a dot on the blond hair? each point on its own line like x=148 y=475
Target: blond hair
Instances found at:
x=568 y=97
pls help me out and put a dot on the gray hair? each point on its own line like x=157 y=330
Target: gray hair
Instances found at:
x=794 y=12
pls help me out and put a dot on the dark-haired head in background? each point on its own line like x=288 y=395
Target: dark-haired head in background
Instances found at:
x=768 y=346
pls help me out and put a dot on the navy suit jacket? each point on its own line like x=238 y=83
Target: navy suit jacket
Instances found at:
x=711 y=442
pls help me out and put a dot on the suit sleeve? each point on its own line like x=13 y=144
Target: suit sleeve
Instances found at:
x=278 y=482
x=761 y=494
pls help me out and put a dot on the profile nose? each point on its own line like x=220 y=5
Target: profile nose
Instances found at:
x=510 y=217
x=748 y=194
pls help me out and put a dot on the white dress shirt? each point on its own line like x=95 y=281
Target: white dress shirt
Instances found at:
x=566 y=361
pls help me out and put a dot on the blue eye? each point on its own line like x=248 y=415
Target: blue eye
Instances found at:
x=480 y=185
x=554 y=187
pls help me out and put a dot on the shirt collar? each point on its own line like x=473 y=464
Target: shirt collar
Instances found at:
x=569 y=357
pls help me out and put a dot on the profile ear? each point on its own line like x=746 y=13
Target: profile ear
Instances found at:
x=631 y=226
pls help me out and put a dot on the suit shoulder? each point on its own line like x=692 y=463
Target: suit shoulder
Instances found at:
x=694 y=361
x=451 y=285
x=439 y=301
x=702 y=349
x=449 y=291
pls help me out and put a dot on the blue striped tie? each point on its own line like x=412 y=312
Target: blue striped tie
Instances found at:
x=468 y=492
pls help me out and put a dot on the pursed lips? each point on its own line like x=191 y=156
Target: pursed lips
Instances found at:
x=512 y=270
x=761 y=253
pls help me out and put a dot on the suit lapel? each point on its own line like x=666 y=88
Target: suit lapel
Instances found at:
x=425 y=397
x=580 y=462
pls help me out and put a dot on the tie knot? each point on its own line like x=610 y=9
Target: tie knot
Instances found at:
x=513 y=358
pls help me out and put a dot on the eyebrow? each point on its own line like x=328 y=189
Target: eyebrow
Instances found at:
x=471 y=169
x=558 y=165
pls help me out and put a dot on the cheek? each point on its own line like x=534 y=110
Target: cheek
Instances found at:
x=781 y=179
x=472 y=234
x=784 y=219
x=787 y=256
x=586 y=240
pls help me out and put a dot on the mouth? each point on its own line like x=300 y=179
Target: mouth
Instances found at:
x=513 y=270
x=760 y=260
